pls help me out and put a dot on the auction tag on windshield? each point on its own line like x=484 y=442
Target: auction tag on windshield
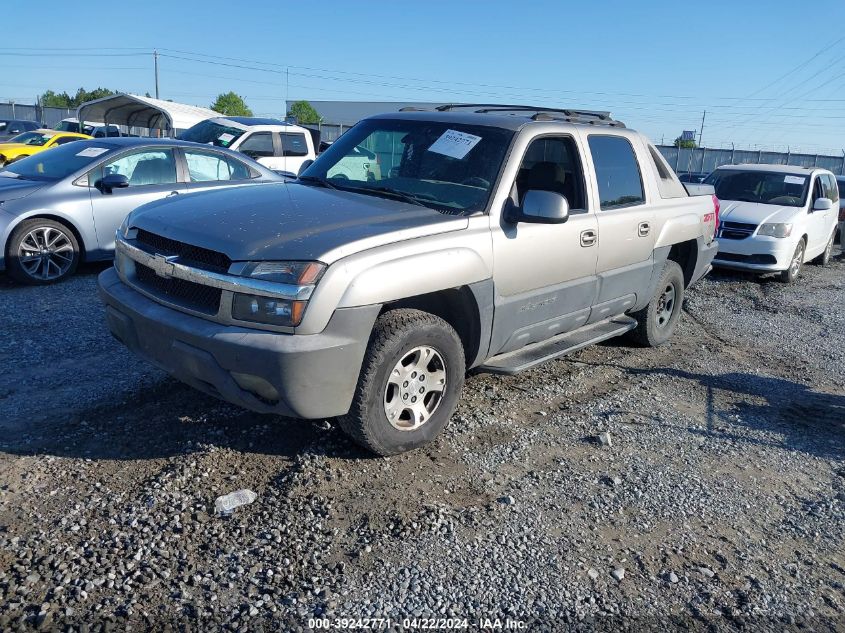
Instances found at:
x=794 y=180
x=455 y=144
x=225 y=138
x=92 y=152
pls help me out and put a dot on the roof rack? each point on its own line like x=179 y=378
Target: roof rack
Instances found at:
x=540 y=113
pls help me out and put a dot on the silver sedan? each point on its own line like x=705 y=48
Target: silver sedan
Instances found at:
x=63 y=206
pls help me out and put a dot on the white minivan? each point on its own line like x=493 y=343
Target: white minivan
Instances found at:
x=281 y=146
x=774 y=218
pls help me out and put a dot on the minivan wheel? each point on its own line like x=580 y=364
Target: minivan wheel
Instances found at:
x=656 y=322
x=409 y=385
x=42 y=251
x=791 y=274
x=824 y=258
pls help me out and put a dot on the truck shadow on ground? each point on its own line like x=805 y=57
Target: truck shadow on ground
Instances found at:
x=167 y=419
x=806 y=421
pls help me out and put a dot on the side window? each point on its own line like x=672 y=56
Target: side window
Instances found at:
x=66 y=139
x=293 y=144
x=208 y=166
x=818 y=191
x=617 y=172
x=257 y=145
x=667 y=182
x=147 y=167
x=829 y=187
x=552 y=164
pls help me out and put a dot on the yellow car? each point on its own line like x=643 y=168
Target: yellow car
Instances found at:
x=29 y=143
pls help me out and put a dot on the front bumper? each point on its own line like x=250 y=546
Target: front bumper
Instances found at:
x=306 y=376
x=756 y=253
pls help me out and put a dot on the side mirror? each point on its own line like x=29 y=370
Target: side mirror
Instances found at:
x=112 y=181
x=540 y=207
x=823 y=204
x=305 y=165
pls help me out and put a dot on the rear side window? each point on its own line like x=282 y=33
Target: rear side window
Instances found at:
x=617 y=172
x=258 y=145
x=668 y=183
x=293 y=144
x=212 y=167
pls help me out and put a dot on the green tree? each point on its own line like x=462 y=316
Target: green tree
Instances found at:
x=304 y=112
x=231 y=104
x=64 y=100
x=680 y=142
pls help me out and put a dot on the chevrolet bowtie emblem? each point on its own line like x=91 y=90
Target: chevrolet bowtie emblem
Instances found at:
x=163 y=265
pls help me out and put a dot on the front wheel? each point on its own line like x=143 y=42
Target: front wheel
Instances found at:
x=824 y=258
x=791 y=274
x=409 y=384
x=656 y=322
x=42 y=251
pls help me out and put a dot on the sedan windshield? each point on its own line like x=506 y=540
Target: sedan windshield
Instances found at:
x=764 y=187
x=32 y=138
x=212 y=133
x=446 y=166
x=57 y=163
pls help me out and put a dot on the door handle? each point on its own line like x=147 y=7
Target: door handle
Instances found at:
x=173 y=193
x=588 y=237
x=643 y=229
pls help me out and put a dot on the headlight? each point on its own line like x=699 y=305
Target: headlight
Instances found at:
x=276 y=310
x=775 y=230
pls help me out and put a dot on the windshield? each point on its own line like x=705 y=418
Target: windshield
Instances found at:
x=68 y=126
x=58 y=163
x=212 y=133
x=445 y=166
x=32 y=138
x=763 y=187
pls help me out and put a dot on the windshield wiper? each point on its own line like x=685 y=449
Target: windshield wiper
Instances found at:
x=323 y=182
x=392 y=193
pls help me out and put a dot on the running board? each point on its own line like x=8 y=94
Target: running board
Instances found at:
x=531 y=355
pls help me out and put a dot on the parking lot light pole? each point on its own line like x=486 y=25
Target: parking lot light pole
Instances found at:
x=155 y=63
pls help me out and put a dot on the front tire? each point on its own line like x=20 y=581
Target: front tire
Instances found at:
x=409 y=384
x=657 y=321
x=791 y=274
x=824 y=258
x=42 y=251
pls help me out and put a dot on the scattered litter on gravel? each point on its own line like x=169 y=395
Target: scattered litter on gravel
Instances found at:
x=719 y=502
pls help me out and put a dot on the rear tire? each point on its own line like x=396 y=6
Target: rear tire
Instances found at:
x=791 y=274
x=824 y=258
x=42 y=251
x=657 y=321
x=411 y=355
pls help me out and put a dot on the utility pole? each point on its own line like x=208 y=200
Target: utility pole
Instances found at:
x=287 y=89
x=701 y=131
x=155 y=62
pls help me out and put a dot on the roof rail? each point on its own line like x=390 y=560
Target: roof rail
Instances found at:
x=570 y=115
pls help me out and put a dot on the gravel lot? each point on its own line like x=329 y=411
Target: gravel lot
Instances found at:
x=719 y=504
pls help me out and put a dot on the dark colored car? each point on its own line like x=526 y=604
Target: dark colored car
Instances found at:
x=695 y=177
x=13 y=127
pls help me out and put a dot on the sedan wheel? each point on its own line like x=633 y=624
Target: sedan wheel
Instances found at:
x=791 y=274
x=42 y=252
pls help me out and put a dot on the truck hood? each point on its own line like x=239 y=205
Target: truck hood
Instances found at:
x=289 y=221
x=14 y=188
x=755 y=212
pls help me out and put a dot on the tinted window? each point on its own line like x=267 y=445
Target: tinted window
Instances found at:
x=760 y=186
x=208 y=166
x=552 y=164
x=617 y=172
x=66 y=139
x=257 y=145
x=59 y=162
x=293 y=144
x=147 y=167
x=213 y=133
x=829 y=188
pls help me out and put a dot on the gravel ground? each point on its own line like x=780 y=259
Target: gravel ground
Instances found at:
x=719 y=503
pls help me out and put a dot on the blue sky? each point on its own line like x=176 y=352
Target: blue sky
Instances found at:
x=769 y=73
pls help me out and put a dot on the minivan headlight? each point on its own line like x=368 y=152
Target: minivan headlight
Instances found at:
x=276 y=310
x=775 y=229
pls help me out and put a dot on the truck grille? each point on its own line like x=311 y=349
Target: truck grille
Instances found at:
x=190 y=255
x=187 y=294
x=736 y=230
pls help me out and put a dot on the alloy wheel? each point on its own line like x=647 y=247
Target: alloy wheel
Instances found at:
x=45 y=253
x=415 y=388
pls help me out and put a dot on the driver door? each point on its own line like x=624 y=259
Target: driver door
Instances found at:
x=545 y=274
x=152 y=175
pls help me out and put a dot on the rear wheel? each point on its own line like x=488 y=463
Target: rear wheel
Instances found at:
x=656 y=322
x=42 y=251
x=824 y=258
x=409 y=384
x=791 y=274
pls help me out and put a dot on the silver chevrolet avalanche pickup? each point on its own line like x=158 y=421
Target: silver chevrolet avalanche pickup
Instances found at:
x=490 y=237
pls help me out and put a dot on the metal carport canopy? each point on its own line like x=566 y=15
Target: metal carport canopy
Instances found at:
x=137 y=111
